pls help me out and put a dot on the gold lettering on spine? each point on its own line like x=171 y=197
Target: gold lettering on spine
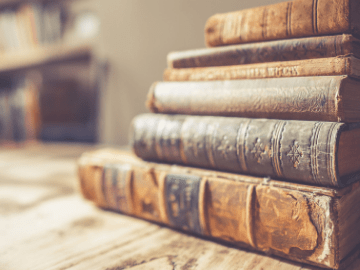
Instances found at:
x=202 y=207
x=315 y=17
x=276 y=147
x=158 y=137
x=250 y=212
x=314 y=143
x=330 y=143
x=162 y=203
x=240 y=145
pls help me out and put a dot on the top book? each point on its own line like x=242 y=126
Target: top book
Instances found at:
x=299 y=18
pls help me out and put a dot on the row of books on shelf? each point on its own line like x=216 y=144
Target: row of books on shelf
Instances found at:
x=32 y=109
x=28 y=25
x=19 y=111
x=254 y=144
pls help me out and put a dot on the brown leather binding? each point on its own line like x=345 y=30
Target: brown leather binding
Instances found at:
x=299 y=18
x=302 y=223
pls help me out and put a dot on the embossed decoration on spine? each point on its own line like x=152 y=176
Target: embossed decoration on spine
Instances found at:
x=258 y=150
x=314 y=142
x=303 y=151
x=240 y=145
x=315 y=17
x=331 y=159
x=276 y=147
x=295 y=154
x=182 y=203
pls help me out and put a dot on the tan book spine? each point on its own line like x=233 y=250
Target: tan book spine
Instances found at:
x=301 y=68
x=299 y=18
x=269 y=51
x=323 y=98
x=289 y=220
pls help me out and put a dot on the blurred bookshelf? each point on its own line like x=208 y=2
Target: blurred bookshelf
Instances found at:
x=50 y=79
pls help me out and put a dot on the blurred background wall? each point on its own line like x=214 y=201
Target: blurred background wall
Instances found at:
x=135 y=36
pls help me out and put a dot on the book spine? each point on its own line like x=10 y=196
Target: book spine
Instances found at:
x=264 y=52
x=299 y=18
x=289 y=223
x=303 y=68
x=297 y=98
x=300 y=151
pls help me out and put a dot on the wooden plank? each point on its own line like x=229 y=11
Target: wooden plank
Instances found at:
x=46 y=224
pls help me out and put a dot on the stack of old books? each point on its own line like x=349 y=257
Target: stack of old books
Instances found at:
x=273 y=124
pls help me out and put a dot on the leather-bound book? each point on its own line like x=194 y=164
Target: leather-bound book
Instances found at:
x=269 y=51
x=318 y=153
x=342 y=65
x=299 y=18
x=318 y=98
x=303 y=223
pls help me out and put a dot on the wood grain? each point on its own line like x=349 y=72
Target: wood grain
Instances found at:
x=45 y=224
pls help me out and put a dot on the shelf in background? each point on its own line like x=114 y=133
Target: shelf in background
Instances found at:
x=40 y=56
x=8 y=3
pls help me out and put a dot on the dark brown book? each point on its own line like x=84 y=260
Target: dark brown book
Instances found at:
x=302 y=223
x=319 y=98
x=342 y=65
x=318 y=153
x=299 y=18
x=270 y=51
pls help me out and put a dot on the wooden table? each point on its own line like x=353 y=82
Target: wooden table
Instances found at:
x=46 y=224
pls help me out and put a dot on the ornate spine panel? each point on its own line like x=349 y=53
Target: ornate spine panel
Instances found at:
x=302 y=68
x=312 y=98
x=265 y=52
x=303 y=151
x=283 y=221
x=299 y=18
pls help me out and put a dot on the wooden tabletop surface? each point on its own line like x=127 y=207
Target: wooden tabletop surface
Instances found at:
x=46 y=224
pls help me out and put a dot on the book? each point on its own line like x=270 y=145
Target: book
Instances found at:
x=343 y=65
x=317 y=98
x=312 y=152
x=268 y=51
x=299 y=18
x=302 y=223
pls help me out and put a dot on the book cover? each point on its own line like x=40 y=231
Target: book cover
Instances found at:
x=316 y=98
x=312 y=152
x=303 y=223
x=299 y=18
x=268 y=51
